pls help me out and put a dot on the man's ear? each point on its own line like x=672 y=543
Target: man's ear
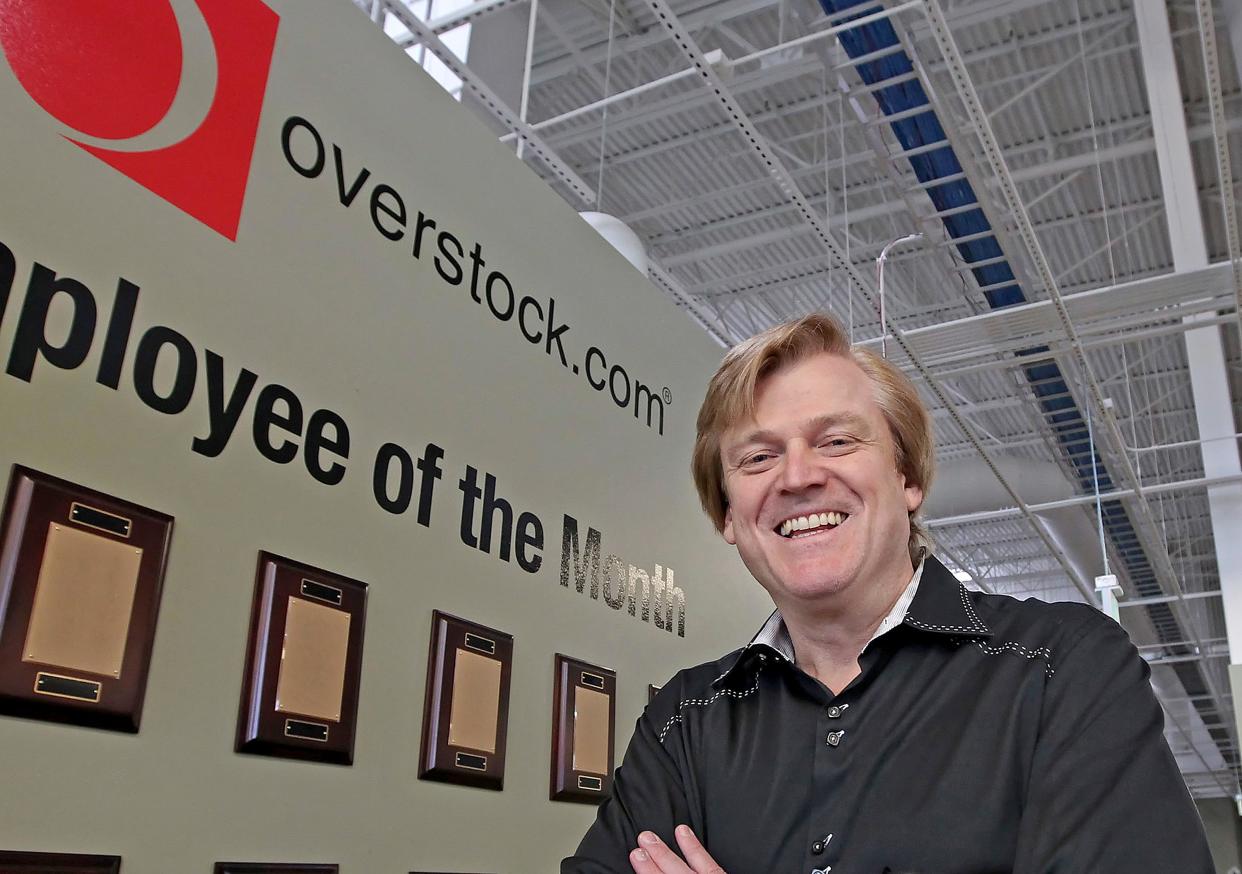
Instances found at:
x=727 y=531
x=914 y=498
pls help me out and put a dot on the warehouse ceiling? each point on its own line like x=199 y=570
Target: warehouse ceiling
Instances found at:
x=1070 y=312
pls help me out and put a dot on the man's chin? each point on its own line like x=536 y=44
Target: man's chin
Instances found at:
x=809 y=588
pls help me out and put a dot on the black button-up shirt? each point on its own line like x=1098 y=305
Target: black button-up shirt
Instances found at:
x=982 y=735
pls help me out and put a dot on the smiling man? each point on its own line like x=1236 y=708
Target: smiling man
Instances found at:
x=884 y=718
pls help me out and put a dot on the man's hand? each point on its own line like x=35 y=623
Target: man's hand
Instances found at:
x=652 y=856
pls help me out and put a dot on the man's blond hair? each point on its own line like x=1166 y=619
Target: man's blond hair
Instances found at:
x=730 y=399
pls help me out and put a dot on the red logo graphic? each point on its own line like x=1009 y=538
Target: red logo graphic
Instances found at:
x=166 y=91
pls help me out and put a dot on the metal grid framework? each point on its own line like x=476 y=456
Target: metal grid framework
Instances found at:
x=763 y=151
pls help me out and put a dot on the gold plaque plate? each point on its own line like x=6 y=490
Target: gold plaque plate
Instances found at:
x=83 y=602
x=312 y=661
x=475 y=710
x=590 y=731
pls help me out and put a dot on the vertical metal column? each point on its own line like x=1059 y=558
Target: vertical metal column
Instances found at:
x=1204 y=346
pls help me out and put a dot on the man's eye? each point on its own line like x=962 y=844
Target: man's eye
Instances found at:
x=837 y=444
x=759 y=458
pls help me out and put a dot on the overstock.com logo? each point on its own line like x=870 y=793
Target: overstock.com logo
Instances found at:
x=166 y=91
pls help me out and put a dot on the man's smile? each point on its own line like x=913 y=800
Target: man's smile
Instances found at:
x=812 y=523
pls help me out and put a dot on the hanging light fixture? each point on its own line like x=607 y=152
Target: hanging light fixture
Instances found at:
x=622 y=238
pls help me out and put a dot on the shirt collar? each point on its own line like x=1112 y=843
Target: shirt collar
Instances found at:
x=942 y=605
x=933 y=602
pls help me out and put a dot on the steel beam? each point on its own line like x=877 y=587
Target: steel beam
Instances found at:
x=1079 y=500
x=1171 y=137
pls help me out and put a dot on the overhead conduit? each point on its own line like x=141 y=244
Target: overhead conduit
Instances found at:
x=924 y=144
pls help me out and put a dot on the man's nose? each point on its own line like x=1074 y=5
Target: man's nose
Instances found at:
x=801 y=467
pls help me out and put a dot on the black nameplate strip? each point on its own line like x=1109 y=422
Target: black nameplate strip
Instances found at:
x=474 y=763
x=482 y=644
x=319 y=591
x=595 y=784
x=93 y=518
x=595 y=681
x=67 y=687
x=306 y=730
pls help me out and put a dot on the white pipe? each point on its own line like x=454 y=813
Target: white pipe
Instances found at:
x=879 y=266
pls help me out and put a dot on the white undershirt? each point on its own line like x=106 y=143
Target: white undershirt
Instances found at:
x=775 y=634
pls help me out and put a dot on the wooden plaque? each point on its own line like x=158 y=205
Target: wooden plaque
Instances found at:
x=13 y=862
x=303 y=665
x=652 y=691
x=466 y=709
x=583 y=731
x=81 y=574
x=273 y=868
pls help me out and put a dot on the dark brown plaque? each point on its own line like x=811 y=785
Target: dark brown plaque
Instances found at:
x=466 y=710
x=583 y=731
x=652 y=691
x=12 y=862
x=303 y=663
x=273 y=868
x=80 y=580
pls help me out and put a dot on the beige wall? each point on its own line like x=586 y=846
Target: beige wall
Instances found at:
x=1221 y=822
x=311 y=296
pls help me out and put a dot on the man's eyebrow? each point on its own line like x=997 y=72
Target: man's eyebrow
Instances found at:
x=852 y=421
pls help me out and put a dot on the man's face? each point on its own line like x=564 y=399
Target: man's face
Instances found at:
x=818 y=446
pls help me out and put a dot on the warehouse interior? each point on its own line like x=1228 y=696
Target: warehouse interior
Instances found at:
x=1052 y=186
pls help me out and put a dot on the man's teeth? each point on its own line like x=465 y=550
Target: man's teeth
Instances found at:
x=815 y=520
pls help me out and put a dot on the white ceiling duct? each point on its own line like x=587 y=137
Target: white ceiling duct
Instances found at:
x=969 y=486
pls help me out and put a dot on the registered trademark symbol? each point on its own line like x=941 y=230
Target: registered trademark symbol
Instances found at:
x=668 y=395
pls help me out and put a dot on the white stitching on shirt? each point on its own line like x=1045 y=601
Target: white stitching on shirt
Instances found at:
x=1038 y=653
x=977 y=628
x=703 y=702
x=736 y=661
x=909 y=620
x=970 y=608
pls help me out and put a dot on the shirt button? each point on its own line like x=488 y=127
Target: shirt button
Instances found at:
x=817 y=848
x=834 y=738
x=834 y=712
